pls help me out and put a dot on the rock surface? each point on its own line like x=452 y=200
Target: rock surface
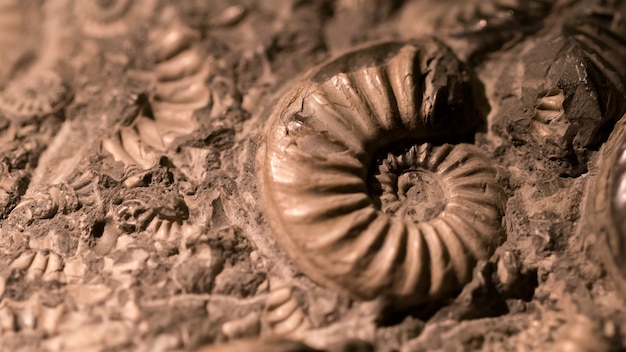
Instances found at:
x=132 y=217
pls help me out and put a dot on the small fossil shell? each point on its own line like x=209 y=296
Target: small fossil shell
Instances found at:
x=85 y=186
x=284 y=315
x=313 y=167
x=181 y=73
x=46 y=203
x=133 y=145
x=141 y=208
x=112 y=18
x=38 y=93
x=610 y=205
x=180 y=89
x=599 y=37
x=488 y=23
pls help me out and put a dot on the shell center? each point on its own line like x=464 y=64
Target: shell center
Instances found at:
x=415 y=194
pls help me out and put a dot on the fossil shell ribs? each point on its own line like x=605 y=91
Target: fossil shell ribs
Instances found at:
x=38 y=93
x=107 y=19
x=181 y=73
x=610 y=205
x=314 y=165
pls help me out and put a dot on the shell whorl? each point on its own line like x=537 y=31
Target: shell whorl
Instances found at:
x=38 y=93
x=610 y=204
x=313 y=167
x=108 y=19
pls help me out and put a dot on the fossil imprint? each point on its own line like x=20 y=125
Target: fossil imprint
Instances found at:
x=320 y=143
x=38 y=93
x=114 y=18
x=179 y=90
x=610 y=204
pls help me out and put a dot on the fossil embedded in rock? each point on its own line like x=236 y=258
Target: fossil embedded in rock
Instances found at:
x=487 y=23
x=111 y=18
x=284 y=315
x=38 y=93
x=181 y=73
x=610 y=205
x=574 y=80
x=320 y=142
x=180 y=89
x=40 y=264
x=141 y=208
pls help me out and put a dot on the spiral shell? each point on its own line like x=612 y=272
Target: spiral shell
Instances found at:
x=318 y=148
x=112 y=18
x=180 y=89
x=610 y=205
x=599 y=37
x=38 y=93
x=181 y=74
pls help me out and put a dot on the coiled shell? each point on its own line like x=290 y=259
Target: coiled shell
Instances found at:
x=115 y=18
x=284 y=315
x=181 y=73
x=38 y=93
x=313 y=167
x=180 y=89
x=478 y=24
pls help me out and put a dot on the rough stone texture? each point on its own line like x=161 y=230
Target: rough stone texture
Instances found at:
x=130 y=212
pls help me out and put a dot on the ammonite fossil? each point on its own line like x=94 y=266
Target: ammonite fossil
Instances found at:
x=179 y=90
x=610 y=205
x=486 y=24
x=181 y=73
x=111 y=18
x=284 y=315
x=573 y=87
x=38 y=93
x=141 y=208
x=320 y=143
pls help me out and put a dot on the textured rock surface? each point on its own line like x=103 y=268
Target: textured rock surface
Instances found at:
x=131 y=216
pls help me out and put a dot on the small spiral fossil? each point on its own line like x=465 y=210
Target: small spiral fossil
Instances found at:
x=180 y=89
x=313 y=165
x=141 y=208
x=38 y=93
x=181 y=73
x=111 y=18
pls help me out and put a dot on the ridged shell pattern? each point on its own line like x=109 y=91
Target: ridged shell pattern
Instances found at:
x=111 y=18
x=600 y=37
x=610 y=204
x=313 y=167
x=284 y=315
x=181 y=73
x=180 y=89
x=489 y=23
x=38 y=93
